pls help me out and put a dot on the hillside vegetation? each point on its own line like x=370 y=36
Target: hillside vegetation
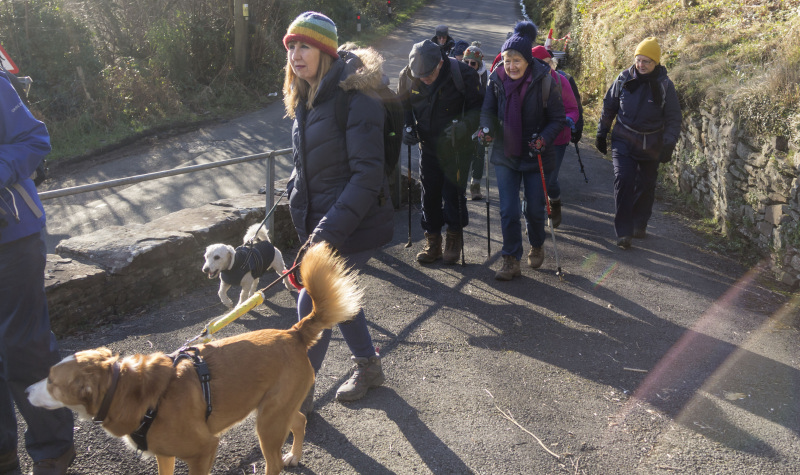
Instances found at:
x=745 y=52
x=108 y=70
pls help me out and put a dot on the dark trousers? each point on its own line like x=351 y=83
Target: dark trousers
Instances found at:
x=634 y=190
x=355 y=332
x=442 y=198
x=27 y=350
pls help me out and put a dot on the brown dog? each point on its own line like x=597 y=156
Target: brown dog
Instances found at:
x=265 y=371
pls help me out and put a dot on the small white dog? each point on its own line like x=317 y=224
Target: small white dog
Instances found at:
x=243 y=265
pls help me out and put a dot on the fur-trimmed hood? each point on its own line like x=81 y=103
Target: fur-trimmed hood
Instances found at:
x=363 y=70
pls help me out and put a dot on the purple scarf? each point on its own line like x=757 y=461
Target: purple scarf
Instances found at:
x=512 y=129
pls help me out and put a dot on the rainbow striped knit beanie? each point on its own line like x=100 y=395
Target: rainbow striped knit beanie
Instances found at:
x=316 y=30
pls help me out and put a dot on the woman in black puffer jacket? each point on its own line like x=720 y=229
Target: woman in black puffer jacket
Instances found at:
x=338 y=192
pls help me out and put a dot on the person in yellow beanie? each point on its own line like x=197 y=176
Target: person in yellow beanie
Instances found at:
x=648 y=125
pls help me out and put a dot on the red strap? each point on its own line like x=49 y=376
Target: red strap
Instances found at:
x=293 y=280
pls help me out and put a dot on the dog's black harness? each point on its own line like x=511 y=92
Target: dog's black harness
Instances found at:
x=256 y=259
x=139 y=436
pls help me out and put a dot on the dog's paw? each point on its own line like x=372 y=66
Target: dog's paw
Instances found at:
x=228 y=303
x=289 y=460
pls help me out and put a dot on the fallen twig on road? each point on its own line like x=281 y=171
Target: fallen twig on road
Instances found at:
x=511 y=418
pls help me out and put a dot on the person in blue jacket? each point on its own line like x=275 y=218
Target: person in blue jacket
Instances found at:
x=645 y=104
x=28 y=347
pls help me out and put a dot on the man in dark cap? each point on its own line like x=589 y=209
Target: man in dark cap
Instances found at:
x=441 y=102
x=444 y=40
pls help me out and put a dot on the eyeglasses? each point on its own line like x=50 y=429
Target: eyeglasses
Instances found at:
x=472 y=63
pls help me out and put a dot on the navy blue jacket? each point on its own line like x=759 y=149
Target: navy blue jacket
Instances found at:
x=547 y=122
x=24 y=142
x=643 y=127
x=339 y=192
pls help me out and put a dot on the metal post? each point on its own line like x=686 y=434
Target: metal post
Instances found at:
x=270 y=192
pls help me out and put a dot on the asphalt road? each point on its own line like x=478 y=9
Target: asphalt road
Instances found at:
x=668 y=358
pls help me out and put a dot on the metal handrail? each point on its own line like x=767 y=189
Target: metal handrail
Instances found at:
x=270 y=177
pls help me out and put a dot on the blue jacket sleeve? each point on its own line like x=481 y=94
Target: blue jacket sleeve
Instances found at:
x=24 y=141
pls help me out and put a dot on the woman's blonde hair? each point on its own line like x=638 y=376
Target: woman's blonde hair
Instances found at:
x=296 y=90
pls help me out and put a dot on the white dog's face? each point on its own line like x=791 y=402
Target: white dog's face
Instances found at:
x=219 y=257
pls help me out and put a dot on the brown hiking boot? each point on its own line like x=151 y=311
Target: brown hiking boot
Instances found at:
x=367 y=373
x=555 y=213
x=432 y=250
x=452 y=246
x=510 y=268
x=536 y=257
x=475 y=191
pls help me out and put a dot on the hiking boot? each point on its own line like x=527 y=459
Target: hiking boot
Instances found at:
x=9 y=461
x=555 y=212
x=510 y=268
x=452 y=246
x=639 y=233
x=536 y=257
x=308 y=403
x=56 y=466
x=432 y=250
x=475 y=191
x=624 y=242
x=367 y=373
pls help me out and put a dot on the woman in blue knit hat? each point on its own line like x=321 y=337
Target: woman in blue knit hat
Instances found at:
x=514 y=112
x=338 y=191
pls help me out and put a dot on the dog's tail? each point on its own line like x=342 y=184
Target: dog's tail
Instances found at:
x=257 y=233
x=332 y=288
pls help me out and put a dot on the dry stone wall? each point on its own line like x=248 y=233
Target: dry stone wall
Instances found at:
x=749 y=183
x=97 y=276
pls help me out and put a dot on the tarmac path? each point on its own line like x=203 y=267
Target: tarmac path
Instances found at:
x=668 y=358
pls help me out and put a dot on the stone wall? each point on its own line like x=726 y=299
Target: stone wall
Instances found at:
x=748 y=183
x=111 y=271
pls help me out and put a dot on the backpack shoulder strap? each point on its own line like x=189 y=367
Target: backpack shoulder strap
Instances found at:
x=547 y=82
x=458 y=79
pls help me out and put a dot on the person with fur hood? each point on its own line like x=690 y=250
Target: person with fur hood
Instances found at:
x=648 y=125
x=517 y=117
x=338 y=191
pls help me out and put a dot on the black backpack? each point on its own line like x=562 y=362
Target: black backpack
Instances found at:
x=392 y=124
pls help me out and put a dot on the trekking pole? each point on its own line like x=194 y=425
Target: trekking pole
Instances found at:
x=537 y=144
x=488 y=228
x=458 y=191
x=577 y=150
x=408 y=244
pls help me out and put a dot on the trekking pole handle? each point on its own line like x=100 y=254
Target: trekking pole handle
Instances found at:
x=536 y=143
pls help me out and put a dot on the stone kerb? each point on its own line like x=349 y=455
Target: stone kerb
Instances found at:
x=120 y=268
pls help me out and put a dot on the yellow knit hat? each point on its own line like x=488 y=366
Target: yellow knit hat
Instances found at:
x=649 y=47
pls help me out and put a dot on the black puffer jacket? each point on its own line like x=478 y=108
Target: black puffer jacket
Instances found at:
x=547 y=122
x=339 y=192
